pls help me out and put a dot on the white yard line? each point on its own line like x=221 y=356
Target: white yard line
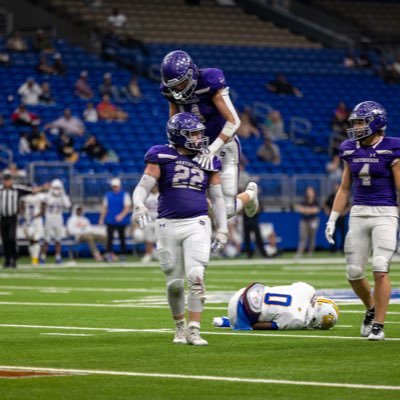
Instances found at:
x=224 y=332
x=84 y=289
x=134 y=305
x=204 y=378
x=66 y=334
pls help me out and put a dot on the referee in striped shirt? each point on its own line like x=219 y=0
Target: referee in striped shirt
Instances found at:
x=10 y=194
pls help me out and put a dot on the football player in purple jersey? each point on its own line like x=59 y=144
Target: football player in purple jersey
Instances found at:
x=371 y=165
x=183 y=228
x=204 y=92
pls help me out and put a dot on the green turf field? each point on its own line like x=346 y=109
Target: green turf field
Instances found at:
x=107 y=331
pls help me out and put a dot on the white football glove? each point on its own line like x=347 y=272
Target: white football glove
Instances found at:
x=329 y=231
x=205 y=159
x=220 y=240
x=141 y=216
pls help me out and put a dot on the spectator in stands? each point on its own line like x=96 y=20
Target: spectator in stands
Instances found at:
x=269 y=151
x=309 y=210
x=43 y=67
x=82 y=230
x=5 y=60
x=66 y=148
x=30 y=92
x=116 y=19
x=23 y=144
x=274 y=127
x=90 y=113
x=108 y=88
x=109 y=111
x=41 y=42
x=58 y=66
x=281 y=86
x=133 y=90
x=349 y=60
x=82 y=87
x=16 y=43
x=115 y=214
x=38 y=140
x=46 y=98
x=340 y=118
x=22 y=116
x=94 y=149
x=69 y=124
x=248 y=124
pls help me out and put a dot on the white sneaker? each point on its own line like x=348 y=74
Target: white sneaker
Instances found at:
x=146 y=258
x=193 y=337
x=366 y=326
x=252 y=206
x=180 y=333
x=376 y=334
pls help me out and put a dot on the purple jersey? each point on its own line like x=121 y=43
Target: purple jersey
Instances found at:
x=182 y=183
x=200 y=103
x=371 y=170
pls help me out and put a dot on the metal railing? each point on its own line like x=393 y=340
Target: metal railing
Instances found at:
x=6 y=155
x=278 y=191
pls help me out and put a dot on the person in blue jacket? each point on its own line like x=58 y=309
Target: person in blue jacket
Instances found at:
x=115 y=214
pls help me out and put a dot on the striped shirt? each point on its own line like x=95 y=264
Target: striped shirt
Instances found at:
x=9 y=199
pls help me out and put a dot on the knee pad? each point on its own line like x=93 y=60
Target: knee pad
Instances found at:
x=196 y=282
x=165 y=260
x=380 y=264
x=355 y=272
x=175 y=285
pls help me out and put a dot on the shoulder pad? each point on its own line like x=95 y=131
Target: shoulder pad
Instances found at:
x=160 y=154
x=212 y=77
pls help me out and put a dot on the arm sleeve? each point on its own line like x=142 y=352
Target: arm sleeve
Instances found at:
x=218 y=203
x=127 y=200
x=143 y=189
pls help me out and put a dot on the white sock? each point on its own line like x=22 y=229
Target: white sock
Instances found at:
x=194 y=324
x=34 y=250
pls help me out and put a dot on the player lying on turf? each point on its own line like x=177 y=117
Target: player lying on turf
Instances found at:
x=288 y=307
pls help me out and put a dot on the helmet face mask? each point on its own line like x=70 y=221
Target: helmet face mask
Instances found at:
x=185 y=130
x=326 y=313
x=366 y=119
x=179 y=74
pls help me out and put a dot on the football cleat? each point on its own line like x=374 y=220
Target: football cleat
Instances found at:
x=251 y=207
x=377 y=333
x=180 y=333
x=193 y=337
x=366 y=326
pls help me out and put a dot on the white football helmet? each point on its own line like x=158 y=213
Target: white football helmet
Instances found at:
x=232 y=306
x=56 y=187
x=326 y=313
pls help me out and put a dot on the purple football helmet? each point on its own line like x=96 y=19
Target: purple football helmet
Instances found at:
x=186 y=130
x=367 y=118
x=179 y=74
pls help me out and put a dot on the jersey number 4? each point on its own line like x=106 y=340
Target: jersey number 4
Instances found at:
x=364 y=175
x=188 y=178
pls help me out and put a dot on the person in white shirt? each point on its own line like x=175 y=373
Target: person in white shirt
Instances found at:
x=56 y=201
x=33 y=210
x=117 y=19
x=82 y=230
x=68 y=124
x=30 y=92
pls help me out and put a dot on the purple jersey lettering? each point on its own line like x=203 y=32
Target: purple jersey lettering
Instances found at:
x=371 y=171
x=182 y=183
x=200 y=103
